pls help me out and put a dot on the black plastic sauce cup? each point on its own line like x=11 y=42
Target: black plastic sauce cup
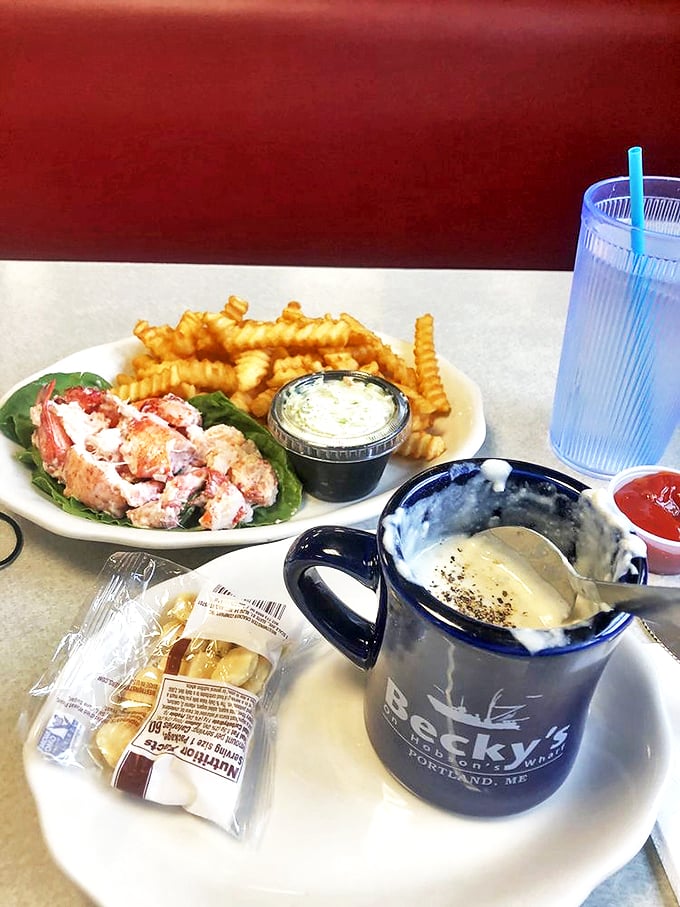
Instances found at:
x=334 y=468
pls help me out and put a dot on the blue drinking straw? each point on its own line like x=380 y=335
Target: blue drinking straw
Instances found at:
x=642 y=337
x=637 y=199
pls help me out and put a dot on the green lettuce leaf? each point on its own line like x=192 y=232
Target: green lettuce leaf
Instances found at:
x=215 y=408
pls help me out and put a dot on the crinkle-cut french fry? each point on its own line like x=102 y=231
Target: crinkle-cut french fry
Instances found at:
x=359 y=333
x=207 y=347
x=186 y=390
x=420 y=422
x=242 y=399
x=186 y=335
x=259 y=405
x=145 y=364
x=252 y=366
x=421 y=445
x=283 y=377
x=417 y=401
x=201 y=373
x=217 y=324
x=167 y=381
x=209 y=375
x=253 y=334
x=292 y=312
x=363 y=353
x=371 y=368
x=340 y=360
x=422 y=411
x=393 y=366
x=300 y=364
x=427 y=368
x=165 y=342
x=235 y=308
x=193 y=337
x=158 y=339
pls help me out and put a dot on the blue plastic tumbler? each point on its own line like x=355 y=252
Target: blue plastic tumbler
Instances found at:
x=617 y=397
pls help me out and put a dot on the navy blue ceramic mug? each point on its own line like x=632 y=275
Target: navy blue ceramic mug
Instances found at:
x=475 y=718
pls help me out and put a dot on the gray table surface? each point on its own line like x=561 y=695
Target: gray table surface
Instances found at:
x=502 y=328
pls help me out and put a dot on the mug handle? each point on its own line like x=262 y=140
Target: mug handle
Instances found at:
x=354 y=552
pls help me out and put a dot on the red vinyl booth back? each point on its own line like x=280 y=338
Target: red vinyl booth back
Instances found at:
x=431 y=133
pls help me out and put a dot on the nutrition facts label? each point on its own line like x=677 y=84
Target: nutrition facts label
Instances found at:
x=203 y=723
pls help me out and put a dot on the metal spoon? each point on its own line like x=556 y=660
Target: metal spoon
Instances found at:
x=654 y=603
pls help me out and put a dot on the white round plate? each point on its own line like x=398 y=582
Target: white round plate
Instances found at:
x=463 y=430
x=340 y=832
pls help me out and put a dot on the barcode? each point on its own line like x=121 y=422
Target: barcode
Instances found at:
x=274 y=609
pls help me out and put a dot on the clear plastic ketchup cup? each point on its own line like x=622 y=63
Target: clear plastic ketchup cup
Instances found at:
x=649 y=496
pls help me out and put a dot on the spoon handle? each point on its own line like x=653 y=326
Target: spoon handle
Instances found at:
x=647 y=600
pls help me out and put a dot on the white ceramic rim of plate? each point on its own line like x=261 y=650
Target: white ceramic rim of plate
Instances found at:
x=20 y=496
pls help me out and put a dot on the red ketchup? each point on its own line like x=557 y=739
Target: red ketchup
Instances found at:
x=652 y=502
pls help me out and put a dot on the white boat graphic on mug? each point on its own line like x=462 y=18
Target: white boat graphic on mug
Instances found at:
x=498 y=715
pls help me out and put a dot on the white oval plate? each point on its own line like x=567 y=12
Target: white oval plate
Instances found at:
x=464 y=432
x=341 y=832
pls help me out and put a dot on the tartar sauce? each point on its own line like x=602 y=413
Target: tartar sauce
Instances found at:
x=345 y=410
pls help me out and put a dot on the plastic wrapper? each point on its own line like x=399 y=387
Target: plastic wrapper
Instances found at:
x=168 y=688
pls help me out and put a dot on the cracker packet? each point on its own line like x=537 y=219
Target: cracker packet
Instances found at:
x=168 y=688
